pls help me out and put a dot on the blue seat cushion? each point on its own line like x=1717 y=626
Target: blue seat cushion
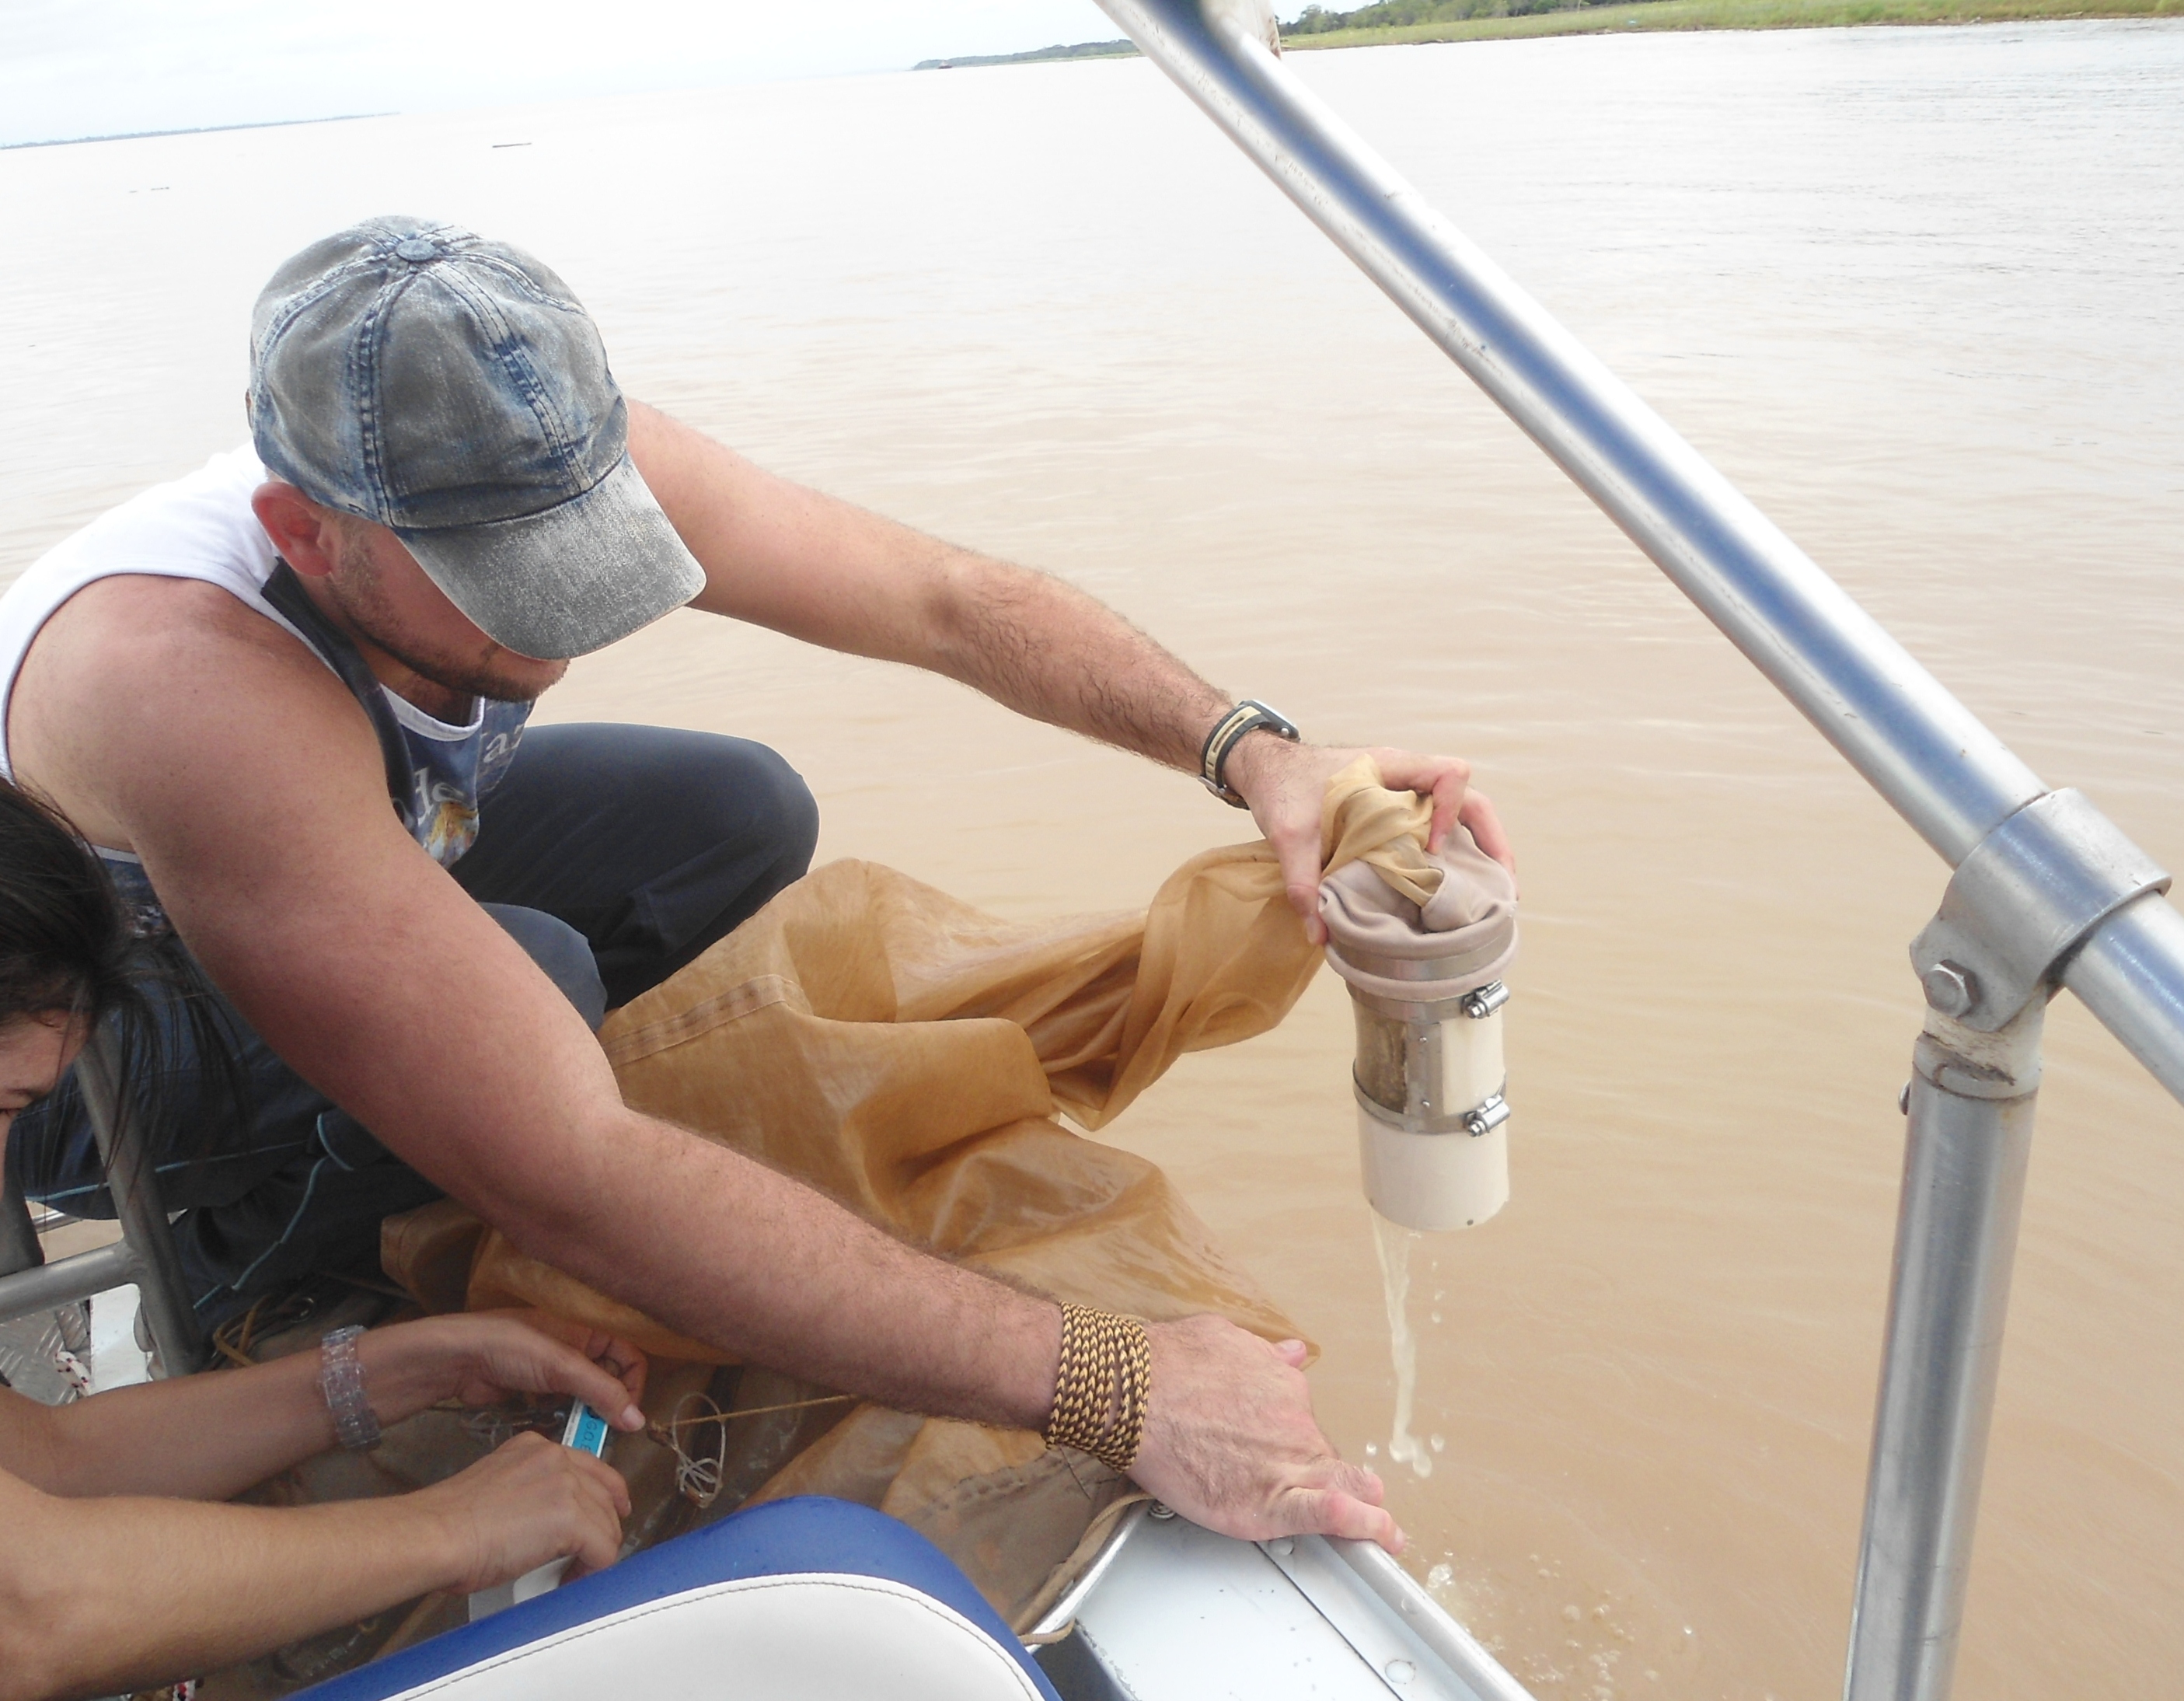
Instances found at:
x=801 y=1536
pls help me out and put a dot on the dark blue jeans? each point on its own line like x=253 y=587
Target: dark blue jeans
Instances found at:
x=614 y=855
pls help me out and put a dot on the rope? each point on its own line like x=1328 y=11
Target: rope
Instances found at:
x=698 y=1477
x=659 y=1431
x=74 y=1372
x=232 y=1339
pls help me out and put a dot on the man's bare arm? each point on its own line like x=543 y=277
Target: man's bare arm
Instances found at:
x=246 y=778
x=248 y=781
x=780 y=556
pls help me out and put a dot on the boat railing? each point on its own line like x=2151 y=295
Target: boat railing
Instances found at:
x=2046 y=893
x=144 y=1257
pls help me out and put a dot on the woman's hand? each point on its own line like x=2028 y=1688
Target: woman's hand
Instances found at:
x=525 y=1505
x=483 y=1358
x=96 y=1602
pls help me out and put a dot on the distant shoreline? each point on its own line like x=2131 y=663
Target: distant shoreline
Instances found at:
x=191 y=130
x=1636 y=15
x=1121 y=49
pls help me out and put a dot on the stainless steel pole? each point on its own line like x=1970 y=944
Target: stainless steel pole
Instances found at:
x=134 y=1184
x=1969 y=1134
x=2131 y=974
x=47 y=1287
x=1950 y=778
x=2062 y=912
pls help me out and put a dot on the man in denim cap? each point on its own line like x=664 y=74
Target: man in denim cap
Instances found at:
x=226 y=680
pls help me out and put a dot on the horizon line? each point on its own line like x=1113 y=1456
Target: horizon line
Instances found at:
x=195 y=130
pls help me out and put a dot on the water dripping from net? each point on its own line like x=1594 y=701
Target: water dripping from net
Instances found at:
x=1395 y=1244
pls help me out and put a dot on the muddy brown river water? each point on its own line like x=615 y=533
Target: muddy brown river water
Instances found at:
x=1919 y=292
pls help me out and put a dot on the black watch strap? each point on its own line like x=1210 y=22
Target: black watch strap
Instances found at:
x=1249 y=715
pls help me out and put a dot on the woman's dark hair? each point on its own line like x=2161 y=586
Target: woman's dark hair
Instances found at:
x=68 y=947
x=65 y=947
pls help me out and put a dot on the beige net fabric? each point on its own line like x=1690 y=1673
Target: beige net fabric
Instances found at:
x=911 y=1057
x=1410 y=926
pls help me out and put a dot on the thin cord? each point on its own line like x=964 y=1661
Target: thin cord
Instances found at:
x=659 y=1431
x=698 y=1476
x=231 y=1340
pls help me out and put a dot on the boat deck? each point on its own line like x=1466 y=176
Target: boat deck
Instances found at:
x=1174 y=1613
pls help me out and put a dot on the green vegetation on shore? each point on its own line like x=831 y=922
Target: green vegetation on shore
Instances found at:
x=1122 y=49
x=1394 y=23
x=1397 y=22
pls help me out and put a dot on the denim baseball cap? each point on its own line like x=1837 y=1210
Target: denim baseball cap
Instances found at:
x=452 y=389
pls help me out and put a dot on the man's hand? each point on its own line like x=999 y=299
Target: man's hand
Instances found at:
x=529 y=1352
x=528 y=1504
x=1285 y=784
x=480 y=1358
x=1230 y=1442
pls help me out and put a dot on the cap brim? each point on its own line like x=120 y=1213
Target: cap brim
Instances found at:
x=570 y=580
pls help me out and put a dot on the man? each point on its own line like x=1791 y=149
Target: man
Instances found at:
x=225 y=681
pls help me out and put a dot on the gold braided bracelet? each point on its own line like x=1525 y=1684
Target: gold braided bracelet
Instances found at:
x=1100 y=1390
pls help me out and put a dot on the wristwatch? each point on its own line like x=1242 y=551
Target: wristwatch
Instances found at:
x=1249 y=715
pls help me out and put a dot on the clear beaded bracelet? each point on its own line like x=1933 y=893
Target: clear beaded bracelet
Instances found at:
x=340 y=1380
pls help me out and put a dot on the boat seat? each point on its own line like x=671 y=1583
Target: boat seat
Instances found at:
x=808 y=1598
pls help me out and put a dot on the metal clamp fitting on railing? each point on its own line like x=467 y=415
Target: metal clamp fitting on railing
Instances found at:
x=2026 y=896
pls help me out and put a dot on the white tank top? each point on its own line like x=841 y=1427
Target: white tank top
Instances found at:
x=202 y=527
x=197 y=527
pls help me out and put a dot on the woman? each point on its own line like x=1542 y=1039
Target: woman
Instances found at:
x=118 y=1569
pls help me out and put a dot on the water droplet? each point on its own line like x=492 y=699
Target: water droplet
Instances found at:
x=1373 y=1451
x=1438 y=1443
x=1399 y=1671
x=1437 y=1316
x=1439 y=1294
x=1441 y=1576
x=1573 y=1613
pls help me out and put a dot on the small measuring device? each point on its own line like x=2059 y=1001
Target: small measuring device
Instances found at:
x=587 y=1431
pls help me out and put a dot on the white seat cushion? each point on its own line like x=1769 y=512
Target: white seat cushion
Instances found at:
x=804 y=1637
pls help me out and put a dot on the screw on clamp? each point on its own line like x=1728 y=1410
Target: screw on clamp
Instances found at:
x=1487 y=1117
x=1950 y=988
x=1480 y=1004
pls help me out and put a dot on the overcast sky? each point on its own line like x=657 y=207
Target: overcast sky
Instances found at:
x=74 y=68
